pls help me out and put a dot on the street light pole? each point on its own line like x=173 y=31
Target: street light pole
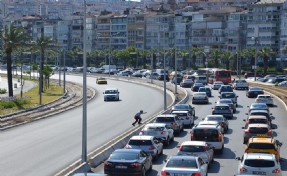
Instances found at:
x=237 y=65
x=64 y=84
x=84 y=127
x=256 y=55
x=175 y=67
x=164 y=78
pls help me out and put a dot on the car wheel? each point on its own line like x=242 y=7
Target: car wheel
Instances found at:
x=221 y=150
x=155 y=157
x=150 y=168
x=167 y=142
x=181 y=128
x=161 y=152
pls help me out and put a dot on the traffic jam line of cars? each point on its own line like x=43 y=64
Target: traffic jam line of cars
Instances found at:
x=194 y=157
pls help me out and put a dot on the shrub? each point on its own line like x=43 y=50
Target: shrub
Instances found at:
x=3 y=91
x=11 y=102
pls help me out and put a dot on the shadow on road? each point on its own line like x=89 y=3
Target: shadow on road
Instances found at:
x=229 y=131
x=283 y=163
x=226 y=140
x=227 y=154
x=172 y=145
x=214 y=167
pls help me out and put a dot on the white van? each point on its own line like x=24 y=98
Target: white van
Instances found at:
x=200 y=79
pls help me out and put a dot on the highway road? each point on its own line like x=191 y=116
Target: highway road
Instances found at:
x=225 y=164
x=47 y=146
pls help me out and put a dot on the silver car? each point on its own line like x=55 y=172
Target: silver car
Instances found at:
x=171 y=121
x=229 y=95
x=185 y=117
x=197 y=148
x=160 y=131
x=229 y=102
x=258 y=106
x=223 y=109
x=111 y=94
x=216 y=85
x=259 y=164
x=149 y=144
x=184 y=165
x=199 y=97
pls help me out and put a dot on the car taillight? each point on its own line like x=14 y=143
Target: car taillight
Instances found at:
x=135 y=165
x=164 y=173
x=162 y=132
x=222 y=124
x=196 y=174
x=180 y=148
x=187 y=118
x=173 y=123
x=276 y=171
x=269 y=132
x=242 y=169
x=220 y=137
x=246 y=131
x=141 y=132
x=151 y=147
x=191 y=136
x=275 y=152
x=107 y=164
x=204 y=148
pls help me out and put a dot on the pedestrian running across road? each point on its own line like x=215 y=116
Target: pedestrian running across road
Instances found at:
x=138 y=118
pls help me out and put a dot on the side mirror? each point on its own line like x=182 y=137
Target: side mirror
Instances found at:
x=238 y=158
x=165 y=160
x=178 y=146
x=270 y=113
x=242 y=127
x=237 y=96
x=202 y=119
x=219 y=96
x=244 y=120
x=246 y=113
x=247 y=106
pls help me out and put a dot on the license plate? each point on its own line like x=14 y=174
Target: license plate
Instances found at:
x=259 y=173
x=121 y=167
x=261 y=135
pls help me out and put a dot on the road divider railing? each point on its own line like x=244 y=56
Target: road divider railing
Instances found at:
x=99 y=155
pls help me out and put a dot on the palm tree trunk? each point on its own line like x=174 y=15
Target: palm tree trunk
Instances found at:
x=265 y=62
x=9 y=72
x=41 y=76
x=193 y=61
x=184 y=62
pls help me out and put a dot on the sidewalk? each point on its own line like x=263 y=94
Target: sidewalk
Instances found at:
x=28 y=85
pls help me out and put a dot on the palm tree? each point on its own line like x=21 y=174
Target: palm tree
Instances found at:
x=201 y=52
x=250 y=53
x=184 y=54
x=194 y=52
x=13 y=38
x=73 y=54
x=143 y=54
x=214 y=55
x=42 y=44
x=226 y=56
x=266 y=54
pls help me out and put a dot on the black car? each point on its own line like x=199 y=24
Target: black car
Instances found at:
x=252 y=92
x=176 y=80
x=128 y=162
x=196 y=86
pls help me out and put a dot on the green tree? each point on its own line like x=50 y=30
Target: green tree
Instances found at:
x=266 y=54
x=194 y=53
x=226 y=57
x=13 y=38
x=73 y=54
x=250 y=53
x=184 y=55
x=47 y=72
x=214 y=55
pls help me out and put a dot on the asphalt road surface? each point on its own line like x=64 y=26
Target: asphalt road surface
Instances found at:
x=225 y=164
x=47 y=146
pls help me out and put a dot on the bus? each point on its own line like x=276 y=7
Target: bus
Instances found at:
x=222 y=75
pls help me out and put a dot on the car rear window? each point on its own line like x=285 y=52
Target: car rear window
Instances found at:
x=214 y=118
x=261 y=146
x=192 y=148
x=182 y=163
x=260 y=113
x=124 y=156
x=258 y=130
x=164 y=119
x=227 y=95
x=210 y=135
x=153 y=128
x=221 y=107
x=140 y=142
x=264 y=121
x=181 y=114
x=259 y=163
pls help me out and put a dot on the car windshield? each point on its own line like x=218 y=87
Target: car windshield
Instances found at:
x=124 y=156
x=140 y=142
x=164 y=119
x=200 y=94
x=110 y=91
x=258 y=130
x=259 y=163
x=228 y=95
x=192 y=148
x=261 y=146
x=221 y=107
x=210 y=135
x=182 y=163
x=258 y=106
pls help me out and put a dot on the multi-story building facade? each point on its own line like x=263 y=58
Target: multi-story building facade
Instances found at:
x=119 y=32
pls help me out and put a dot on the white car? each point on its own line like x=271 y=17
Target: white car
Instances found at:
x=185 y=117
x=283 y=84
x=149 y=144
x=197 y=148
x=184 y=165
x=111 y=94
x=160 y=131
x=240 y=84
x=216 y=85
x=259 y=164
x=212 y=122
x=265 y=98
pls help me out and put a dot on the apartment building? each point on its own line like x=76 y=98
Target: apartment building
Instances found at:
x=63 y=29
x=119 y=32
x=103 y=31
